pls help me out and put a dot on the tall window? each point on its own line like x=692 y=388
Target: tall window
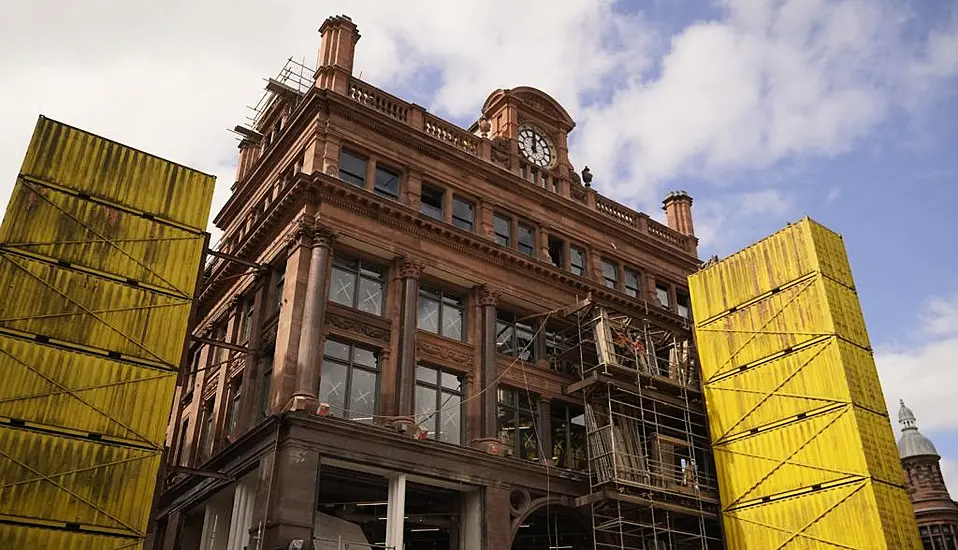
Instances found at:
x=266 y=362
x=463 y=213
x=515 y=337
x=610 y=273
x=352 y=168
x=556 y=248
x=181 y=445
x=357 y=284
x=439 y=403
x=350 y=380
x=939 y=537
x=220 y=354
x=233 y=405
x=431 y=200
x=206 y=435
x=632 y=285
x=517 y=428
x=441 y=312
x=555 y=345
x=684 y=305
x=278 y=283
x=662 y=292
x=576 y=260
x=502 y=228
x=247 y=318
x=568 y=436
x=387 y=183
x=525 y=240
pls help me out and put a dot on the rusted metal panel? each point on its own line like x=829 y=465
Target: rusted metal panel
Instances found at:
x=100 y=250
x=798 y=423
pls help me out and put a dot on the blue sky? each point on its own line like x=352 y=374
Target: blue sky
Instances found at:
x=764 y=111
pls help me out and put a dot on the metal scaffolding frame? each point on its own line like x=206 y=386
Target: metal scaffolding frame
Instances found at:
x=651 y=482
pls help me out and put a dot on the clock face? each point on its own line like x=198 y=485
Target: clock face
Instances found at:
x=536 y=147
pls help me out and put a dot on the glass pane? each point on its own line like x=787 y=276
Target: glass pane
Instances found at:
x=505 y=335
x=365 y=357
x=507 y=395
x=462 y=213
x=387 y=183
x=451 y=322
x=526 y=434
x=524 y=345
x=339 y=350
x=426 y=409
x=559 y=427
x=450 y=419
x=370 y=296
x=663 y=294
x=503 y=229
x=631 y=283
x=576 y=260
x=555 y=251
x=332 y=387
x=452 y=381
x=428 y=314
x=526 y=240
x=342 y=287
x=426 y=374
x=431 y=201
x=362 y=395
x=352 y=168
x=507 y=427
x=610 y=273
x=371 y=271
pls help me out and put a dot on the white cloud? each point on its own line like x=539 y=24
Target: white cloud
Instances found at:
x=727 y=218
x=949 y=471
x=833 y=195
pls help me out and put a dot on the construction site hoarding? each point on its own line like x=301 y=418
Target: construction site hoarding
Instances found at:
x=100 y=252
x=804 y=451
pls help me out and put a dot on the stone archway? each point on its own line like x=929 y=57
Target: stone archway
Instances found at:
x=550 y=523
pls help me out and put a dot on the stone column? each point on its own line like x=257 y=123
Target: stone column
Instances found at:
x=314 y=315
x=410 y=269
x=289 y=477
x=487 y=298
x=251 y=376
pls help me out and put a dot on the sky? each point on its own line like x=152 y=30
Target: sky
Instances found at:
x=764 y=111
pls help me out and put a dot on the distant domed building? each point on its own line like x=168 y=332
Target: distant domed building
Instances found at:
x=936 y=512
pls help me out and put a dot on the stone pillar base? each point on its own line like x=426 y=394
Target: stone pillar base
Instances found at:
x=405 y=424
x=490 y=445
x=306 y=403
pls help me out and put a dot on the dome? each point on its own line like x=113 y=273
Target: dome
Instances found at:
x=912 y=443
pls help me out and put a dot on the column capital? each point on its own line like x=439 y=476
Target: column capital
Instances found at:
x=302 y=232
x=487 y=296
x=410 y=267
x=323 y=235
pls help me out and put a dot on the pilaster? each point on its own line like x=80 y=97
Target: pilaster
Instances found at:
x=410 y=270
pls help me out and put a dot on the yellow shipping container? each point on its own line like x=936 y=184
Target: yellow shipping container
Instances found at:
x=100 y=250
x=804 y=451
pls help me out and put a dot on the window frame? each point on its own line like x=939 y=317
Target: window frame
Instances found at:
x=531 y=231
x=383 y=191
x=579 y=270
x=351 y=366
x=359 y=180
x=442 y=201
x=512 y=320
x=233 y=402
x=266 y=380
x=498 y=237
x=441 y=390
x=442 y=298
x=460 y=222
x=582 y=463
x=208 y=427
x=636 y=290
x=515 y=406
x=563 y=245
x=341 y=262
x=683 y=296
x=606 y=262
x=662 y=287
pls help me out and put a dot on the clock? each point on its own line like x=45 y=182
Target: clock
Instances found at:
x=536 y=147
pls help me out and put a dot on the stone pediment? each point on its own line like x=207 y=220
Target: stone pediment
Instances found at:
x=536 y=101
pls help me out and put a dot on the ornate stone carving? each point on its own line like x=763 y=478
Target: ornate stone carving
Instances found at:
x=487 y=296
x=353 y=325
x=411 y=268
x=500 y=150
x=484 y=126
x=323 y=235
x=447 y=354
x=302 y=233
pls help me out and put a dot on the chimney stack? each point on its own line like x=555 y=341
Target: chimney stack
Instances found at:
x=335 y=64
x=678 y=212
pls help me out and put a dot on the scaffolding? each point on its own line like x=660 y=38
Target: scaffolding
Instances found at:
x=651 y=482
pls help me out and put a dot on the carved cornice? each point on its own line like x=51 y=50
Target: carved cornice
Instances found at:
x=347 y=322
x=487 y=296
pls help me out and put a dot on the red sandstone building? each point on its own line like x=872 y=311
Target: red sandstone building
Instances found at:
x=936 y=512
x=379 y=352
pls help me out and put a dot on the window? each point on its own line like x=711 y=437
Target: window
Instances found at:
x=568 y=436
x=357 y=284
x=247 y=318
x=206 y=436
x=462 y=213
x=502 y=228
x=939 y=537
x=194 y=368
x=387 y=183
x=514 y=337
x=181 y=445
x=220 y=353
x=352 y=168
x=555 y=345
x=576 y=260
x=517 y=428
x=439 y=403
x=233 y=405
x=610 y=272
x=432 y=202
x=662 y=293
x=266 y=362
x=556 y=248
x=441 y=312
x=526 y=240
x=632 y=286
x=683 y=303
x=349 y=382
x=278 y=285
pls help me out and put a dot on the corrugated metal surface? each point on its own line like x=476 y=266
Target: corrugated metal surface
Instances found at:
x=99 y=253
x=801 y=435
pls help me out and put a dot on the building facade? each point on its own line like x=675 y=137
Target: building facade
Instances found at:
x=936 y=512
x=383 y=344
